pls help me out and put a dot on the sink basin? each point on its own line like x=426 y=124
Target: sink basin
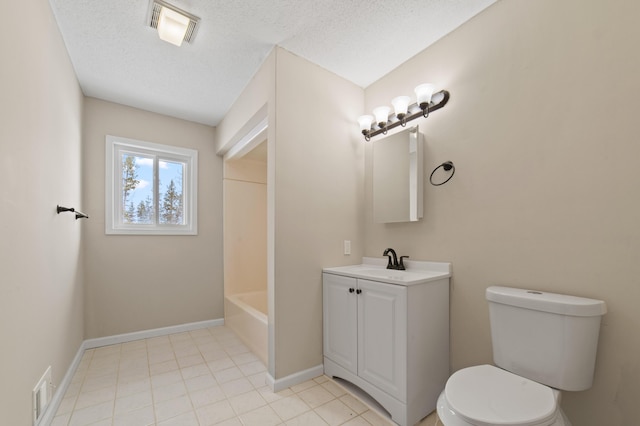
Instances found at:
x=385 y=272
x=388 y=273
x=374 y=270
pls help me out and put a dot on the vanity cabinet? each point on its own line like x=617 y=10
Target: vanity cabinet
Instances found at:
x=390 y=340
x=365 y=324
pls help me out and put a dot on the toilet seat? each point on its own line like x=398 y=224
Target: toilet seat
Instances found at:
x=485 y=395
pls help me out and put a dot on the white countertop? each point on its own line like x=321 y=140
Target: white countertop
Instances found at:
x=374 y=269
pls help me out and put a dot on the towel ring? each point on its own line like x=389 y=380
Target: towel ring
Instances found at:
x=446 y=166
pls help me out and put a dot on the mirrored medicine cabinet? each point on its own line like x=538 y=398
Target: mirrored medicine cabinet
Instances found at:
x=398 y=177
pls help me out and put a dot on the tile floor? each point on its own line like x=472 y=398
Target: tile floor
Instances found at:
x=203 y=377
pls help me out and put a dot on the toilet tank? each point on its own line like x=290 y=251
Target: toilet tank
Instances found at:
x=546 y=337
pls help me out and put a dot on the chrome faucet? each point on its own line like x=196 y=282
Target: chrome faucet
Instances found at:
x=393 y=264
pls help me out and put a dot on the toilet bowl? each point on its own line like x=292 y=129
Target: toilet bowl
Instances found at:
x=542 y=343
x=485 y=395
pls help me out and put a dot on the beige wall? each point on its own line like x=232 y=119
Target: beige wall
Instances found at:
x=40 y=251
x=542 y=127
x=245 y=226
x=318 y=200
x=259 y=93
x=314 y=194
x=142 y=282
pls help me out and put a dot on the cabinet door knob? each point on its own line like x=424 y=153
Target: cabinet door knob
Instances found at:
x=351 y=290
x=358 y=291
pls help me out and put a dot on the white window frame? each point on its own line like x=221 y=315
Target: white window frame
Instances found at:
x=113 y=180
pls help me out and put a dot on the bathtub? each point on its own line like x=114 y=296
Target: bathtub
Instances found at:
x=246 y=315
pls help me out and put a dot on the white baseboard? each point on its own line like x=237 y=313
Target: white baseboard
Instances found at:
x=50 y=412
x=52 y=408
x=293 y=379
x=146 y=334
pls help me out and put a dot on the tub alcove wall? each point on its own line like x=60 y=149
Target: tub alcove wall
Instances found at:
x=245 y=248
x=315 y=197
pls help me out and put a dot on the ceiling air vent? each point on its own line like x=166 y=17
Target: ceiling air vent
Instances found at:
x=155 y=7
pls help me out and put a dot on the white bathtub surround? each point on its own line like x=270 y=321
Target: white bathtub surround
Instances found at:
x=246 y=315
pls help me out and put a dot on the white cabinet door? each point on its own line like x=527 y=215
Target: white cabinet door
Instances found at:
x=382 y=336
x=340 y=321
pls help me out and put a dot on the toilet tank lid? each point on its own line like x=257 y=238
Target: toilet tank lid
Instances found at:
x=547 y=302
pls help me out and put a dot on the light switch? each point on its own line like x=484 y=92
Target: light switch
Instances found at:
x=347 y=246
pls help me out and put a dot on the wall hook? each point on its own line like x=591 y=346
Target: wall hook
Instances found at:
x=79 y=214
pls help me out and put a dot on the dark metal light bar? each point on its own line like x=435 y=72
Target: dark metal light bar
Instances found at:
x=438 y=100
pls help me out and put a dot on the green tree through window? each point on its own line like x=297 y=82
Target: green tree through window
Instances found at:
x=129 y=183
x=171 y=210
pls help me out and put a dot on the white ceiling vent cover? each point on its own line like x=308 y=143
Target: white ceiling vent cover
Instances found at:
x=155 y=6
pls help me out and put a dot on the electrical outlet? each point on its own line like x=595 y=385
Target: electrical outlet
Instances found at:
x=42 y=395
x=347 y=247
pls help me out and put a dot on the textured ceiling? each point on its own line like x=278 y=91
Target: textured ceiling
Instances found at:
x=119 y=58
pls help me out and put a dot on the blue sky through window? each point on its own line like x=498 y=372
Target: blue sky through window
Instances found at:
x=167 y=171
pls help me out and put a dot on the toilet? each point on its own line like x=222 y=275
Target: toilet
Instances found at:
x=542 y=343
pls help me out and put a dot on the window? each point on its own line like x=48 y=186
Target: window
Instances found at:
x=150 y=188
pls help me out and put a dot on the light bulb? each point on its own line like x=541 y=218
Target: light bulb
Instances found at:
x=382 y=115
x=365 y=122
x=423 y=95
x=172 y=26
x=400 y=106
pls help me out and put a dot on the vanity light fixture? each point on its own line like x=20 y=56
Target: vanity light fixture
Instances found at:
x=174 y=25
x=426 y=102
